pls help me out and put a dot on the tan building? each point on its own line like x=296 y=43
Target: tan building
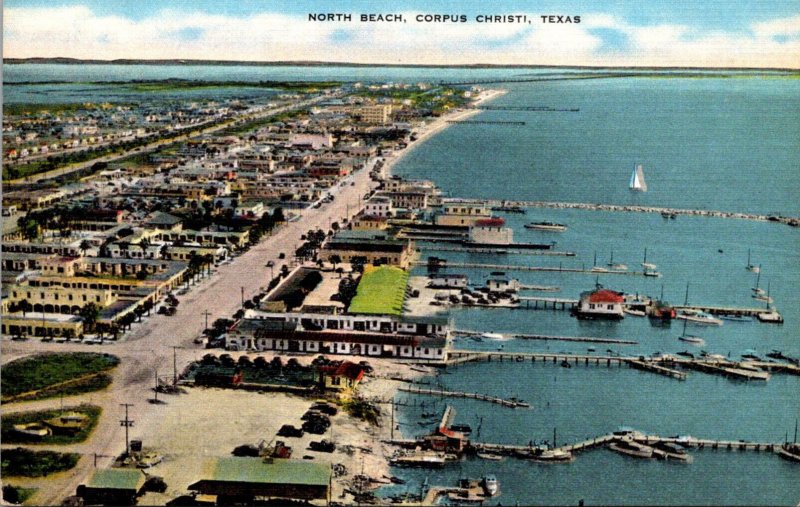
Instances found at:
x=378 y=114
x=375 y=247
x=462 y=213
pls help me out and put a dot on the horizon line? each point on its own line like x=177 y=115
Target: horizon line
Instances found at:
x=37 y=60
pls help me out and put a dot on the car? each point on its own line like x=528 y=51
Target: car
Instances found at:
x=148 y=460
x=93 y=341
x=287 y=430
x=322 y=446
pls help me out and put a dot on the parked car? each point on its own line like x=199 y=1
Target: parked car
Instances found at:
x=287 y=430
x=322 y=446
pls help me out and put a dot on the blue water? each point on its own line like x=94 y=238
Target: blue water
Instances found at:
x=713 y=143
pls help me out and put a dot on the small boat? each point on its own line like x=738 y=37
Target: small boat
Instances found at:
x=490 y=457
x=492 y=336
x=686 y=353
x=637 y=179
x=790 y=451
x=751 y=354
x=498 y=273
x=757 y=290
x=546 y=226
x=631 y=311
x=700 y=318
x=490 y=486
x=751 y=267
x=669 y=450
x=552 y=456
x=616 y=266
x=425 y=460
x=631 y=448
x=694 y=340
x=591 y=349
x=565 y=364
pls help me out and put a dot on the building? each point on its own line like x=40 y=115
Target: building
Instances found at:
x=346 y=375
x=490 y=231
x=112 y=486
x=242 y=480
x=378 y=206
x=448 y=281
x=502 y=285
x=378 y=114
x=377 y=248
x=462 y=213
x=600 y=304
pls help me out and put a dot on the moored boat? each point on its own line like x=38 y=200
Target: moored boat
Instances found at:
x=700 y=318
x=669 y=450
x=552 y=456
x=631 y=448
x=694 y=340
x=546 y=226
x=790 y=451
x=490 y=485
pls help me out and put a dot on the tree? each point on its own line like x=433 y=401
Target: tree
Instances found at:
x=85 y=245
x=89 y=313
x=335 y=259
x=277 y=216
x=347 y=290
x=358 y=263
x=24 y=306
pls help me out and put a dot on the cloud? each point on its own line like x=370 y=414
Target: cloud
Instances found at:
x=600 y=39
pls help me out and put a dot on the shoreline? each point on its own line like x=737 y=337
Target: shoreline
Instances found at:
x=428 y=130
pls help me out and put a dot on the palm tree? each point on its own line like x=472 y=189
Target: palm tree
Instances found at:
x=90 y=312
x=85 y=245
x=24 y=306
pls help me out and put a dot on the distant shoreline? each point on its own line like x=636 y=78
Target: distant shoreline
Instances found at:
x=304 y=63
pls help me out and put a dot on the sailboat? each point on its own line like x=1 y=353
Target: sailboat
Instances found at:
x=617 y=266
x=637 y=179
x=763 y=297
x=751 y=267
x=595 y=267
x=757 y=291
x=649 y=267
x=695 y=340
x=696 y=316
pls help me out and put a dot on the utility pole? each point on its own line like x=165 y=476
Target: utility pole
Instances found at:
x=242 y=296
x=174 y=365
x=206 y=313
x=127 y=423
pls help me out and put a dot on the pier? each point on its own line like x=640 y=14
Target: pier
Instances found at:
x=534 y=109
x=544 y=337
x=512 y=403
x=519 y=267
x=555 y=303
x=792 y=221
x=727 y=310
x=492 y=250
x=487 y=122
x=744 y=370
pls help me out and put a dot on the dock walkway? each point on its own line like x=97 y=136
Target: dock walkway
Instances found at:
x=512 y=403
x=544 y=337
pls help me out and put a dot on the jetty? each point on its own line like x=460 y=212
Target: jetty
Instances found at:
x=494 y=250
x=511 y=403
x=791 y=221
x=726 y=310
x=519 y=267
x=487 y=122
x=544 y=337
x=555 y=303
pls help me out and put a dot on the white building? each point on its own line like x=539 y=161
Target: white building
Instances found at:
x=491 y=231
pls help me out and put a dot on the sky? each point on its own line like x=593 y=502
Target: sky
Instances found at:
x=697 y=33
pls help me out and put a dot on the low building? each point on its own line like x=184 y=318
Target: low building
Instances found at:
x=376 y=247
x=600 y=304
x=113 y=486
x=242 y=480
x=462 y=213
x=502 y=285
x=378 y=206
x=346 y=375
x=490 y=231
x=448 y=281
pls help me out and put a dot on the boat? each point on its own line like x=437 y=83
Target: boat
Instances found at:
x=694 y=340
x=790 y=451
x=630 y=448
x=616 y=266
x=490 y=457
x=631 y=311
x=492 y=336
x=761 y=296
x=686 y=353
x=757 y=290
x=751 y=354
x=670 y=450
x=546 y=226
x=490 y=486
x=750 y=266
x=698 y=317
x=552 y=456
x=565 y=364
x=424 y=460
x=647 y=265
x=637 y=179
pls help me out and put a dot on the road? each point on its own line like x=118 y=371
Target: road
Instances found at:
x=147 y=348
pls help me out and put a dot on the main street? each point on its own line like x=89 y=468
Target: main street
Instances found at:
x=148 y=347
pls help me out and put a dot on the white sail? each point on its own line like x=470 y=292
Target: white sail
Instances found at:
x=637 y=179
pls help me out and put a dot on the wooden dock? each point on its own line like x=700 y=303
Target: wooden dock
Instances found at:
x=512 y=403
x=655 y=368
x=519 y=267
x=726 y=310
x=555 y=303
x=704 y=443
x=500 y=249
x=544 y=337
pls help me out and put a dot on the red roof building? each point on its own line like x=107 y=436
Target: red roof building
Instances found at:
x=600 y=304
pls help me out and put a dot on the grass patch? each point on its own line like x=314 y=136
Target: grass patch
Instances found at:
x=21 y=462
x=362 y=409
x=10 y=436
x=47 y=375
x=381 y=291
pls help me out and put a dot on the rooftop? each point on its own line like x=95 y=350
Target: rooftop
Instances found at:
x=381 y=291
x=279 y=471
x=111 y=478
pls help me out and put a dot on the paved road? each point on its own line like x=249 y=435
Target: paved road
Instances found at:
x=148 y=346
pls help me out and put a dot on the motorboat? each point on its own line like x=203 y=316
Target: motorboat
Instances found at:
x=490 y=485
x=492 y=336
x=552 y=456
x=631 y=448
x=686 y=353
x=631 y=311
x=698 y=317
x=670 y=450
x=736 y=318
x=546 y=226
x=490 y=457
x=694 y=340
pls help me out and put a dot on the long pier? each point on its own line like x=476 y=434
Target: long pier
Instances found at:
x=745 y=370
x=519 y=267
x=493 y=250
x=459 y=394
x=487 y=122
x=534 y=109
x=544 y=337
x=792 y=221
x=726 y=310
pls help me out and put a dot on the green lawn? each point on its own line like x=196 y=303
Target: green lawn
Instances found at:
x=21 y=462
x=44 y=375
x=9 y=436
x=381 y=291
